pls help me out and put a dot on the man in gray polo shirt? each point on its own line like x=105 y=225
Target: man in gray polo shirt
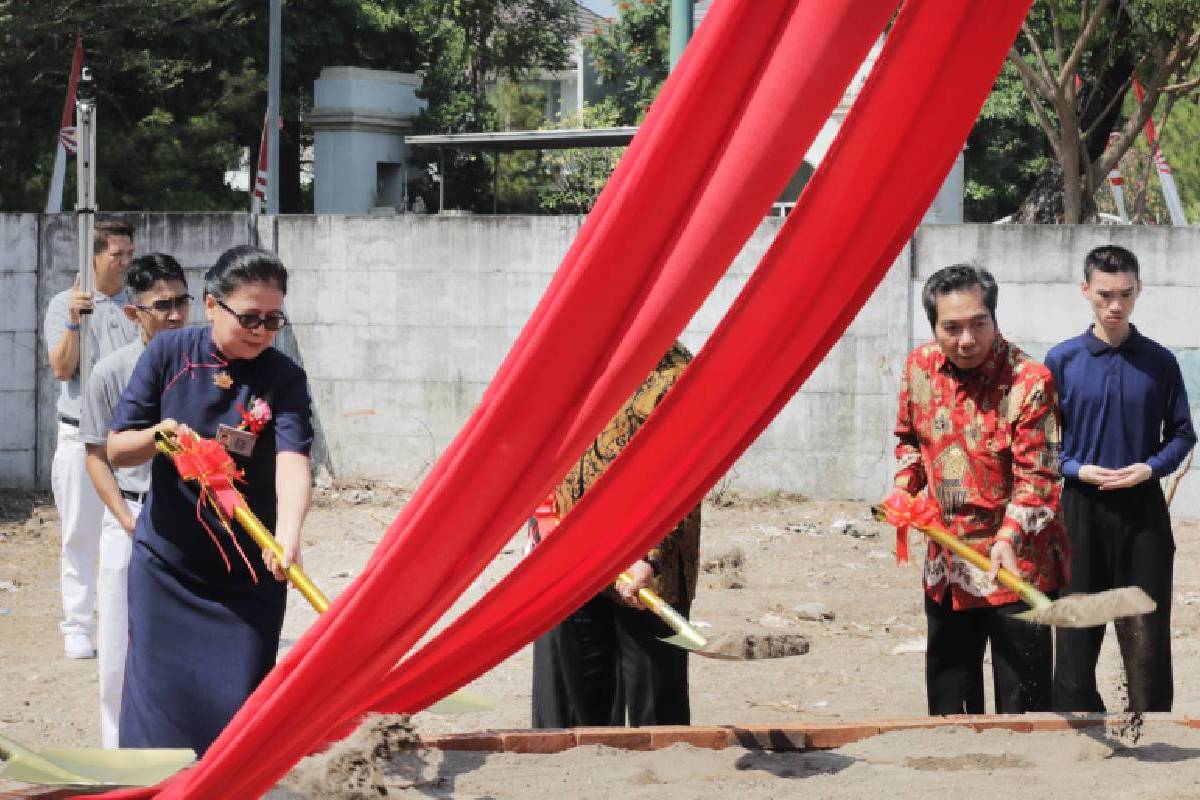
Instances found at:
x=158 y=300
x=77 y=502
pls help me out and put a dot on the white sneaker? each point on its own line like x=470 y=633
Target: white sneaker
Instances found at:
x=79 y=646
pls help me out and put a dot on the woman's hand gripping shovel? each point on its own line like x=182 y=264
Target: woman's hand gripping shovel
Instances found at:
x=198 y=459
x=1072 y=611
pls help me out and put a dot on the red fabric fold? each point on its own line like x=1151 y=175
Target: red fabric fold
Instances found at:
x=752 y=89
x=832 y=253
x=625 y=291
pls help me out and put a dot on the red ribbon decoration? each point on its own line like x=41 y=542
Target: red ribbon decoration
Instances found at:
x=904 y=510
x=207 y=462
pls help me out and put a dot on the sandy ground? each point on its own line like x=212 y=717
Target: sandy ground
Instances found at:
x=801 y=559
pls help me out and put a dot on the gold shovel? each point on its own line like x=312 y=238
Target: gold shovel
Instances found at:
x=1072 y=611
x=729 y=647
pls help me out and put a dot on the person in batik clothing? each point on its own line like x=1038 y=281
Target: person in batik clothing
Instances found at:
x=979 y=432
x=605 y=664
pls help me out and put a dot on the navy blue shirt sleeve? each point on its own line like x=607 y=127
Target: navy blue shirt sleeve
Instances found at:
x=1067 y=464
x=292 y=413
x=1177 y=433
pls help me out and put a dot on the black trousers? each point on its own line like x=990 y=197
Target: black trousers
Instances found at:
x=1021 y=659
x=1118 y=538
x=604 y=665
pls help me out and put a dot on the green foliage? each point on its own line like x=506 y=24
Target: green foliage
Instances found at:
x=577 y=176
x=468 y=44
x=520 y=107
x=1180 y=138
x=182 y=84
x=633 y=56
x=1005 y=152
x=155 y=65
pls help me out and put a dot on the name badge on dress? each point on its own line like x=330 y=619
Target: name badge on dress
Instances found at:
x=235 y=440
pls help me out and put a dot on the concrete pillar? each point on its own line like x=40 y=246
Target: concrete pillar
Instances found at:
x=360 y=118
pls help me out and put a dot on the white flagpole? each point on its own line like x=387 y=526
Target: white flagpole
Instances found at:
x=58 y=176
x=54 y=198
x=1117 y=183
x=1165 y=178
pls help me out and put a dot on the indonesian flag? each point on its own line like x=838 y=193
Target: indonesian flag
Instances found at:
x=66 y=131
x=1165 y=178
x=258 y=191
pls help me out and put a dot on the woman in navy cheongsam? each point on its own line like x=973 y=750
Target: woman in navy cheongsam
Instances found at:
x=205 y=607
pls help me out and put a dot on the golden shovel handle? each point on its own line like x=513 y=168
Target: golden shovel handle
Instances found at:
x=663 y=611
x=1027 y=592
x=297 y=576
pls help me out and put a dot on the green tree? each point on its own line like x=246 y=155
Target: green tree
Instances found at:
x=519 y=107
x=633 y=56
x=578 y=175
x=1005 y=153
x=1076 y=60
x=470 y=43
x=155 y=65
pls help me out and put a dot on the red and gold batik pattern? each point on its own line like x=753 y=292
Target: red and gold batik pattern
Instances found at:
x=984 y=444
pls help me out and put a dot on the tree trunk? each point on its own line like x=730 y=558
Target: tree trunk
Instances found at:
x=1099 y=103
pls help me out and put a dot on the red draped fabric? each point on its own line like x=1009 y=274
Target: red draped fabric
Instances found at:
x=729 y=128
x=594 y=327
x=899 y=141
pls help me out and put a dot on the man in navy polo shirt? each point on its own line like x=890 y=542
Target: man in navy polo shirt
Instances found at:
x=1126 y=424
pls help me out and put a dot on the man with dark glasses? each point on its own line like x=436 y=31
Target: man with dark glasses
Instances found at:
x=158 y=300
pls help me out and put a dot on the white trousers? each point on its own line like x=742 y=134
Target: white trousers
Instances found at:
x=112 y=632
x=79 y=507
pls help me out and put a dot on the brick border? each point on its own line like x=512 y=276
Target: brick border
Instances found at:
x=780 y=738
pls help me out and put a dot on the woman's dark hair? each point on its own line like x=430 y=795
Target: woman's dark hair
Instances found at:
x=958 y=278
x=1109 y=258
x=244 y=264
x=145 y=271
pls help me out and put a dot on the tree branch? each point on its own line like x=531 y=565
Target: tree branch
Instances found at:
x=1067 y=73
x=1029 y=78
x=1047 y=76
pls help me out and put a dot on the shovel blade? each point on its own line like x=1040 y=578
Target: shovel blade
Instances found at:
x=747 y=647
x=1091 y=610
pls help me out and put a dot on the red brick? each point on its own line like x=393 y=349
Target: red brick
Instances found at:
x=1017 y=723
x=621 y=738
x=834 y=734
x=783 y=738
x=539 y=741
x=909 y=723
x=482 y=742
x=707 y=736
x=1063 y=722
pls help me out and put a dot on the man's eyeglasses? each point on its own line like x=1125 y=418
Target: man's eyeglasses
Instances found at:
x=272 y=322
x=167 y=304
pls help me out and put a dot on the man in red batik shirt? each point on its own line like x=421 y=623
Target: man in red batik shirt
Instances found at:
x=979 y=433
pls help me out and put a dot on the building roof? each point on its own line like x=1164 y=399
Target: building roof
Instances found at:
x=589 y=22
x=528 y=140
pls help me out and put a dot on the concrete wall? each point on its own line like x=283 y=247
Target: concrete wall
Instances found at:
x=401 y=322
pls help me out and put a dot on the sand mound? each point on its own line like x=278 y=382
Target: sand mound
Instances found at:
x=380 y=756
x=752 y=647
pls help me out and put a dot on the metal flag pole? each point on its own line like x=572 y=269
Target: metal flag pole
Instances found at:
x=85 y=208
